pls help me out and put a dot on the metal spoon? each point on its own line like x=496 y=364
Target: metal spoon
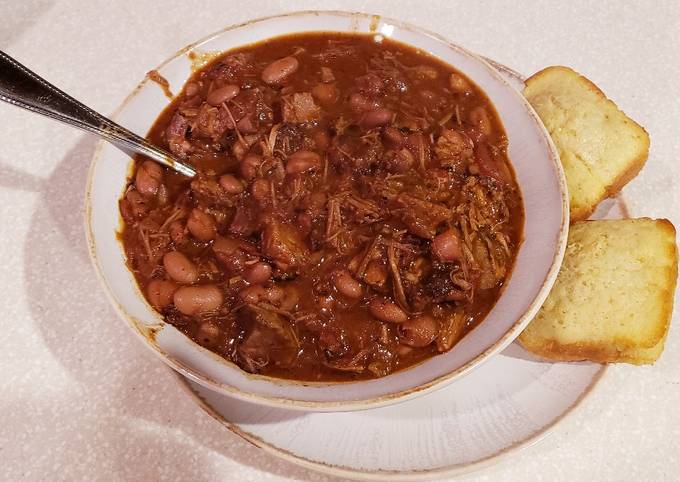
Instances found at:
x=23 y=88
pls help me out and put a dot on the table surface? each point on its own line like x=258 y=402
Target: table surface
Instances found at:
x=83 y=399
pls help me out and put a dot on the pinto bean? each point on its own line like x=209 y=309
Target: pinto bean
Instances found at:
x=149 y=178
x=361 y=103
x=302 y=161
x=325 y=94
x=231 y=184
x=260 y=190
x=375 y=118
x=386 y=310
x=201 y=225
x=347 y=285
x=222 y=94
x=252 y=294
x=279 y=70
x=447 y=247
x=393 y=137
x=159 y=292
x=208 y=333
x=250 y=165
x=419 y=331
x=258 y=273
x=180 y=268
x=239 y=150
x=193 y=300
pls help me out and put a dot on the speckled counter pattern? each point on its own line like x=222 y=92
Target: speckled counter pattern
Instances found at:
x=82 y=399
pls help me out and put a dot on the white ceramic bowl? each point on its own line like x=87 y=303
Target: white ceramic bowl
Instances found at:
x=538 y=172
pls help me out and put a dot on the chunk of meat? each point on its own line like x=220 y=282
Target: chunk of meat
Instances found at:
x=211 y=121
x=370 y=84
x=230 y=68
x=421 y=217
x=270 y=340
x=453 y=147
x=284 y=246
x=299 y=108
x=175 y=135
x=331 y=338
x=244 y=221
x=208 y=191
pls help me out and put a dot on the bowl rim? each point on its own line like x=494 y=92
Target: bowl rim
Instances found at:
x=144 y=331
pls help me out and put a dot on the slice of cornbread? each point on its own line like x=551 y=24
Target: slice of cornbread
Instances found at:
x=613 y=298
x=600 y=147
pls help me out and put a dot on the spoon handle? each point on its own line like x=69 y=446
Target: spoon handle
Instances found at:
x=23 y=88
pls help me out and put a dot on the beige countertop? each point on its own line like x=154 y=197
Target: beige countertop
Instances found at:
x=82 y=399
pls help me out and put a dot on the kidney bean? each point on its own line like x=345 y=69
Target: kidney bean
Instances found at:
x=250 y=166
x=231 y=184
x=302 y=161
x=258 y=273
x=149 y=178
x=159 y=292
x=376 y=117
x=222 y=94
x=386 y=310
x=279 y=70
x=201 y=225
x=180 y=268
x=193 y=300
x=325 y=94
x=419 y=331
x=347 y=285
x=208 y=333
x=447 y=247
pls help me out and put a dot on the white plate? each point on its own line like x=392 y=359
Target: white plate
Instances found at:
x=508 y=403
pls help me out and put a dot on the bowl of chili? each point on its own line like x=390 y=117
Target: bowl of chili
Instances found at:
x=376 y=213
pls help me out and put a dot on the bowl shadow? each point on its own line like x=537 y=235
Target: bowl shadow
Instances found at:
x=125 y=396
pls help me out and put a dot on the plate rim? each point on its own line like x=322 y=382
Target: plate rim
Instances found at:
x=391 y=475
